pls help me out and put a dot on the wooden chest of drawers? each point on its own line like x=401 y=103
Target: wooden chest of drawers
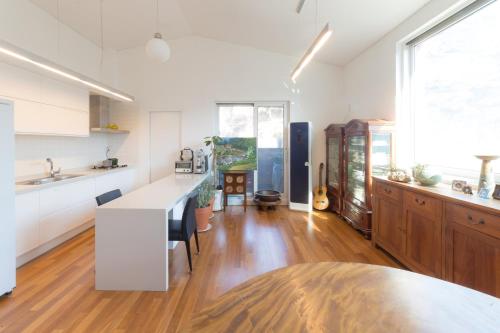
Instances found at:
x=440 y=233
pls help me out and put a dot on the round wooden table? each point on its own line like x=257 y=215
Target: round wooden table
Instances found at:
x=348 y=297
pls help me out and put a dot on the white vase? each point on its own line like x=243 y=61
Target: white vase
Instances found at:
x=487 y=177
x=218 y=201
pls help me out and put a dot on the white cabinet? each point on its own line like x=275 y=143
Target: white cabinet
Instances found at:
x=122 y=180
x=64 y=95
x=27 y=217
x=44 y=105
x=60 y=222
x=65 y=207
x=44 y=215
x=35 y=118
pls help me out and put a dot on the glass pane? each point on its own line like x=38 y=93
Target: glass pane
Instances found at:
x=356 y=167
x=381 y=154
x=333 y=162
x=270 y=152
x=236 y=121
x=456 y=86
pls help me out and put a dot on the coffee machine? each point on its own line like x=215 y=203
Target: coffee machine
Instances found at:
x=200 y=164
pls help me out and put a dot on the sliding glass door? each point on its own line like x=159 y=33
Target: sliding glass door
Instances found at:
x=267 y=122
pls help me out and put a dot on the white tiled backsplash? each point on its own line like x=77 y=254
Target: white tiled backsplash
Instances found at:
x=66 y=152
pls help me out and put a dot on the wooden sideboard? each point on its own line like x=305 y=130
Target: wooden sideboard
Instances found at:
x=438 y=232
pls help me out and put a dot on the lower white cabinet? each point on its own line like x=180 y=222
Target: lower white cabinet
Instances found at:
x=60 y=222
x=66 y=207
x=44 y=215
x=27 y=222
x=123 y=181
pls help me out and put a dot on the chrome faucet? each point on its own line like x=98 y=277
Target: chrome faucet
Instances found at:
x=52 y=172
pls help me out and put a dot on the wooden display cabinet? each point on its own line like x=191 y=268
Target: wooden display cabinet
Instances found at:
x=335 y=165
x=368 y=152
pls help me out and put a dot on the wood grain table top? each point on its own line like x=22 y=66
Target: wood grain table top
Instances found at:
x=349 y=297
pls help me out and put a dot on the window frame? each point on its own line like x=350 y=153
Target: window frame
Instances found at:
x=405 y=99
x=286 y=117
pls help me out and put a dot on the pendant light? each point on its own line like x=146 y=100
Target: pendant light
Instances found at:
x=157 y=48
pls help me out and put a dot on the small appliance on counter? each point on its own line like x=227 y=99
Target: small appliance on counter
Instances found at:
x=185 y=165
x=200 y=162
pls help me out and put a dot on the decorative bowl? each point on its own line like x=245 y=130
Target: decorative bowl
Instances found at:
x=426 y=175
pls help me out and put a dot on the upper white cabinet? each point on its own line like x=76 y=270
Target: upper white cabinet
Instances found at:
x=64 y=95
x=43 y=105
x=35 y=118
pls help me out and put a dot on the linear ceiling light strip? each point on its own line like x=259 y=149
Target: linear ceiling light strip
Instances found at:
x=317 y=44
x=25 y=56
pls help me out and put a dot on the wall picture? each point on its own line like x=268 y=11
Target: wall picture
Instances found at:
x=237 y=154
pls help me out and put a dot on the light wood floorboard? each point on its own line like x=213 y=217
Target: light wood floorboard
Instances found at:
x=55 y=292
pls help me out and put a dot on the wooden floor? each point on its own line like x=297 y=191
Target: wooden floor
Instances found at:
x=55 y=292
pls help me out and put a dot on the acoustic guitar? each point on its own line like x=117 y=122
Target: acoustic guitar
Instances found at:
x=320 y=199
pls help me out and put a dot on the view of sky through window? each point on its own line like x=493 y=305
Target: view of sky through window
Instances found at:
x=456 y=92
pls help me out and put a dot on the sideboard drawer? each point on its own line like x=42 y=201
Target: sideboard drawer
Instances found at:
x=423 y=204
x=388 y=191
x=483 y=222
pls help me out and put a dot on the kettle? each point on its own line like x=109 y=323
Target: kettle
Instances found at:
x=187 y=154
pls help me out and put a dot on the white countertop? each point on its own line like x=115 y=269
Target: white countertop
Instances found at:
x=84 y=172
x=162 y=194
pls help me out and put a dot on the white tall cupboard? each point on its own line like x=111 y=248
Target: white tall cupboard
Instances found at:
x=7 y=194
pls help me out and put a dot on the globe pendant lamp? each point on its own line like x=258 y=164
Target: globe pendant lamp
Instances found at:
x=157 y=48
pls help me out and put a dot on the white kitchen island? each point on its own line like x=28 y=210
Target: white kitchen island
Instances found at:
x=131 y=234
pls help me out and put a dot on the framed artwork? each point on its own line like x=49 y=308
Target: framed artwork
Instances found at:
x=237 y=154
x=496 y=192
x=458 y=185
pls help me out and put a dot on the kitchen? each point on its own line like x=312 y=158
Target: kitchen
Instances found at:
x=147 y=105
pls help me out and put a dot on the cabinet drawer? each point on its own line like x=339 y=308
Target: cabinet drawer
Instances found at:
x=430 y=207
x=483 y=222
x=388 y=191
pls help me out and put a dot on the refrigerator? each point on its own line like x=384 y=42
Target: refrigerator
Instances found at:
x=7 y=200
x=300 y=166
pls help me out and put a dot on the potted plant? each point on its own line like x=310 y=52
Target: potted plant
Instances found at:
x=203 y=209
x=216 y=202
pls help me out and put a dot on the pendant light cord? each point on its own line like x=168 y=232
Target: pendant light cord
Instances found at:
x=157 y=16
x=316 y=19
x=101 y=24
x=58 y=31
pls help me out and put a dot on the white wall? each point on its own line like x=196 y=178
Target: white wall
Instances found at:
x=202 y=72
x=370 y=79
x=28 y=27
x=66 y=152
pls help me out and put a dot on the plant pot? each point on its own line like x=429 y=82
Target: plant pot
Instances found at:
x=202 y=216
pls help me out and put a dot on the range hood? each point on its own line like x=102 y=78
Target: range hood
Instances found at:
x=99 y=115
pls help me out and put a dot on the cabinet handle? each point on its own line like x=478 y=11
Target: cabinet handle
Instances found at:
x=387 y=190
x=471 y=220
x=420 y=202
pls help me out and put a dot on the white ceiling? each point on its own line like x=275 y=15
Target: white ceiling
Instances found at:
x=265 y=24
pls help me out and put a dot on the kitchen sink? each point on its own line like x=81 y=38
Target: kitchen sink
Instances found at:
x=46 y=180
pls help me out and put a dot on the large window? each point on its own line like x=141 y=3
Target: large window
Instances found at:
x=266 y=122
x=455 y=90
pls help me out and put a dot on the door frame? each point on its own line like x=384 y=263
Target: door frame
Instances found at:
x=286 y=120
x=150 y=113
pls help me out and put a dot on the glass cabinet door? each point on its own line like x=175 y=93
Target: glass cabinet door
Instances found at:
x=333 y=162
x=381 y=153
x=356 y=167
